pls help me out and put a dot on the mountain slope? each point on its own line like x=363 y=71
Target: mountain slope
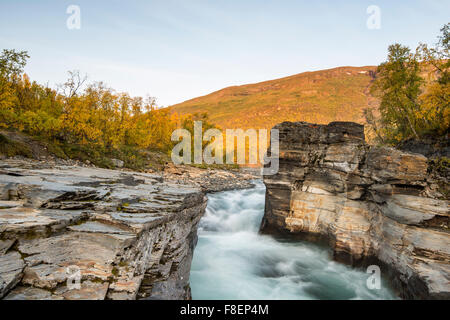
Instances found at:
x=338 y=94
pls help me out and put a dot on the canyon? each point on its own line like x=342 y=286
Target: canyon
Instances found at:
x=80 y=232
x=74 y=231
x=372 y=205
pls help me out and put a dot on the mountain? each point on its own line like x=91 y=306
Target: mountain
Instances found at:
x=338 y=94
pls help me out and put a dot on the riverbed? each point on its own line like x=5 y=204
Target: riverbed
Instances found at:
x=233 y=261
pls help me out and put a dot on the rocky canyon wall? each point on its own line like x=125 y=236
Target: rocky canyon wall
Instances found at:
x=71 y=232
x=372 y=204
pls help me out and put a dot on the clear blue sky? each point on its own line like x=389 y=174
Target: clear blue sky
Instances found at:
x=177 y=50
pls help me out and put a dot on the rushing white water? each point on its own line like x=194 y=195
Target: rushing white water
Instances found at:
x=232 y=261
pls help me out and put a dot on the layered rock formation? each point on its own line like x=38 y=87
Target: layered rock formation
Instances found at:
x=372 y=204
x=119 y=235
x=208 y=180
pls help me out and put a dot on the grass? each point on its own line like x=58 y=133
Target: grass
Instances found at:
x=441 y=166
x=233 y=167
x=133 y=158
x=100 y=156
x=321 y=97
x=12 y=148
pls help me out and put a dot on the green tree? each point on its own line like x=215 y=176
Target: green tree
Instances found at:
x=398 y=85
x=12 y=63
x=436 y=98
x=11 y=67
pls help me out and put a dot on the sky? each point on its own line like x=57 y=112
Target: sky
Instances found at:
x=178 y=50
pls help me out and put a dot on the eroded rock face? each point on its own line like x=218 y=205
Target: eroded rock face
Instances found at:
x=368 y=202
x=123 y=235
x=209 y=180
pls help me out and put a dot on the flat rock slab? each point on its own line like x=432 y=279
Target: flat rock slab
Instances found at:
x=99 y=227
x=103 y=227
x=10 y=204
x=11 y=267
x=5 y=245
x=88 y=291
x=45 y=276
x=25 y=221
x=31 y=293
x=71 y=247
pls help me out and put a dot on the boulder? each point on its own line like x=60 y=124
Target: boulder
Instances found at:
x=117 y=163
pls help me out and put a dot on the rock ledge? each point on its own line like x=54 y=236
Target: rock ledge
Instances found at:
x=370 y=203
x=71 y=232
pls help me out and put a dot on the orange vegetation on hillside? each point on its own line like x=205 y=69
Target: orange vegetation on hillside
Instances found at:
x=338 y=94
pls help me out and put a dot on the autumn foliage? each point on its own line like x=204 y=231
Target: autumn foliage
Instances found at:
x=79 y=113
x=414 y=90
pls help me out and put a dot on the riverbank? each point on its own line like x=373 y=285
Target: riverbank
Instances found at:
x=373 y=205
x=74 y=231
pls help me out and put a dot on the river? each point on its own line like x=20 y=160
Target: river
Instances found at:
x=233 y=261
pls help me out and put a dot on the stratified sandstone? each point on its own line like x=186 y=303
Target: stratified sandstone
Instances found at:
x=208 y=180
x=371 y=203
x=129 y=235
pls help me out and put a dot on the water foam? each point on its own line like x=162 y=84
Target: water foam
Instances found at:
x=232 y=261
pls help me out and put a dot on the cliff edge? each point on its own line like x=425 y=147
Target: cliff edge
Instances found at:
x=372 y=204
x=73 y=232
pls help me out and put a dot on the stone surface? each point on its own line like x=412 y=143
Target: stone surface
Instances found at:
x=11 y=267
x=117 y=163
x=31 y=293
x=120 y=234
x=5 y=245
x=368 y=202
x=210 y=180
x=88 y=291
